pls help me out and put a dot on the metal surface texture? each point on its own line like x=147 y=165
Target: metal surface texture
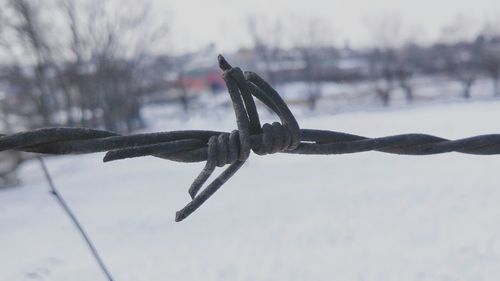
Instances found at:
x=219 y=149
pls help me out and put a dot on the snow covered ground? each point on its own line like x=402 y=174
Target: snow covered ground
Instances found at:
x=367 y=216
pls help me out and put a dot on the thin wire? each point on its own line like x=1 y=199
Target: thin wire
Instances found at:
x=71 y=215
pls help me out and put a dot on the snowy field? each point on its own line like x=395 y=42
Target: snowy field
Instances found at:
x=367 y=216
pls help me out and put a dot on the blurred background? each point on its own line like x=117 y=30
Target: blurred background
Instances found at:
x=99 y=63
x=135 y=66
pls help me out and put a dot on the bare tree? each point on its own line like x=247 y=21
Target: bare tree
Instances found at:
x=491 y=61
x=266 y=36
x=390 y=60
x=461 y=57
x=489 y=48
x=461 y=63
x=9 y=161
x=30 y=30
x=179 y=66
x=89 y=69
x=311 y=43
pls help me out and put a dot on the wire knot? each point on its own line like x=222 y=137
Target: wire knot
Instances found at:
x=234 y=148
x=275 y=137
x=224 y=149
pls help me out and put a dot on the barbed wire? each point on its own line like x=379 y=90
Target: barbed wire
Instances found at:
x=219 y=149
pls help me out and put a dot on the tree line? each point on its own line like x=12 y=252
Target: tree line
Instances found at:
x=76 y=63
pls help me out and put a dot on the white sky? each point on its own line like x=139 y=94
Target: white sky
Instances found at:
x=196 y=23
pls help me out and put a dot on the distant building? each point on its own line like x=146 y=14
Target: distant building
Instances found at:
x=202 y=79
x=201 y=73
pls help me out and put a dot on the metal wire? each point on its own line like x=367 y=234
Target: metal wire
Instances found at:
x=222 y=148
x=60 y=199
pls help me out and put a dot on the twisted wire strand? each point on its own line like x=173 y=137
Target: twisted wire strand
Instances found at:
x=219 y=149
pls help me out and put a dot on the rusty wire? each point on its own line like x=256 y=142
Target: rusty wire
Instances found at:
x=219 y=149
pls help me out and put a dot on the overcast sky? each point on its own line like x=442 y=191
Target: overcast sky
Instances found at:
x=198 y=22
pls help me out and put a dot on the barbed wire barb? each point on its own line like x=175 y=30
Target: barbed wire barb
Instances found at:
x=219 y=149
